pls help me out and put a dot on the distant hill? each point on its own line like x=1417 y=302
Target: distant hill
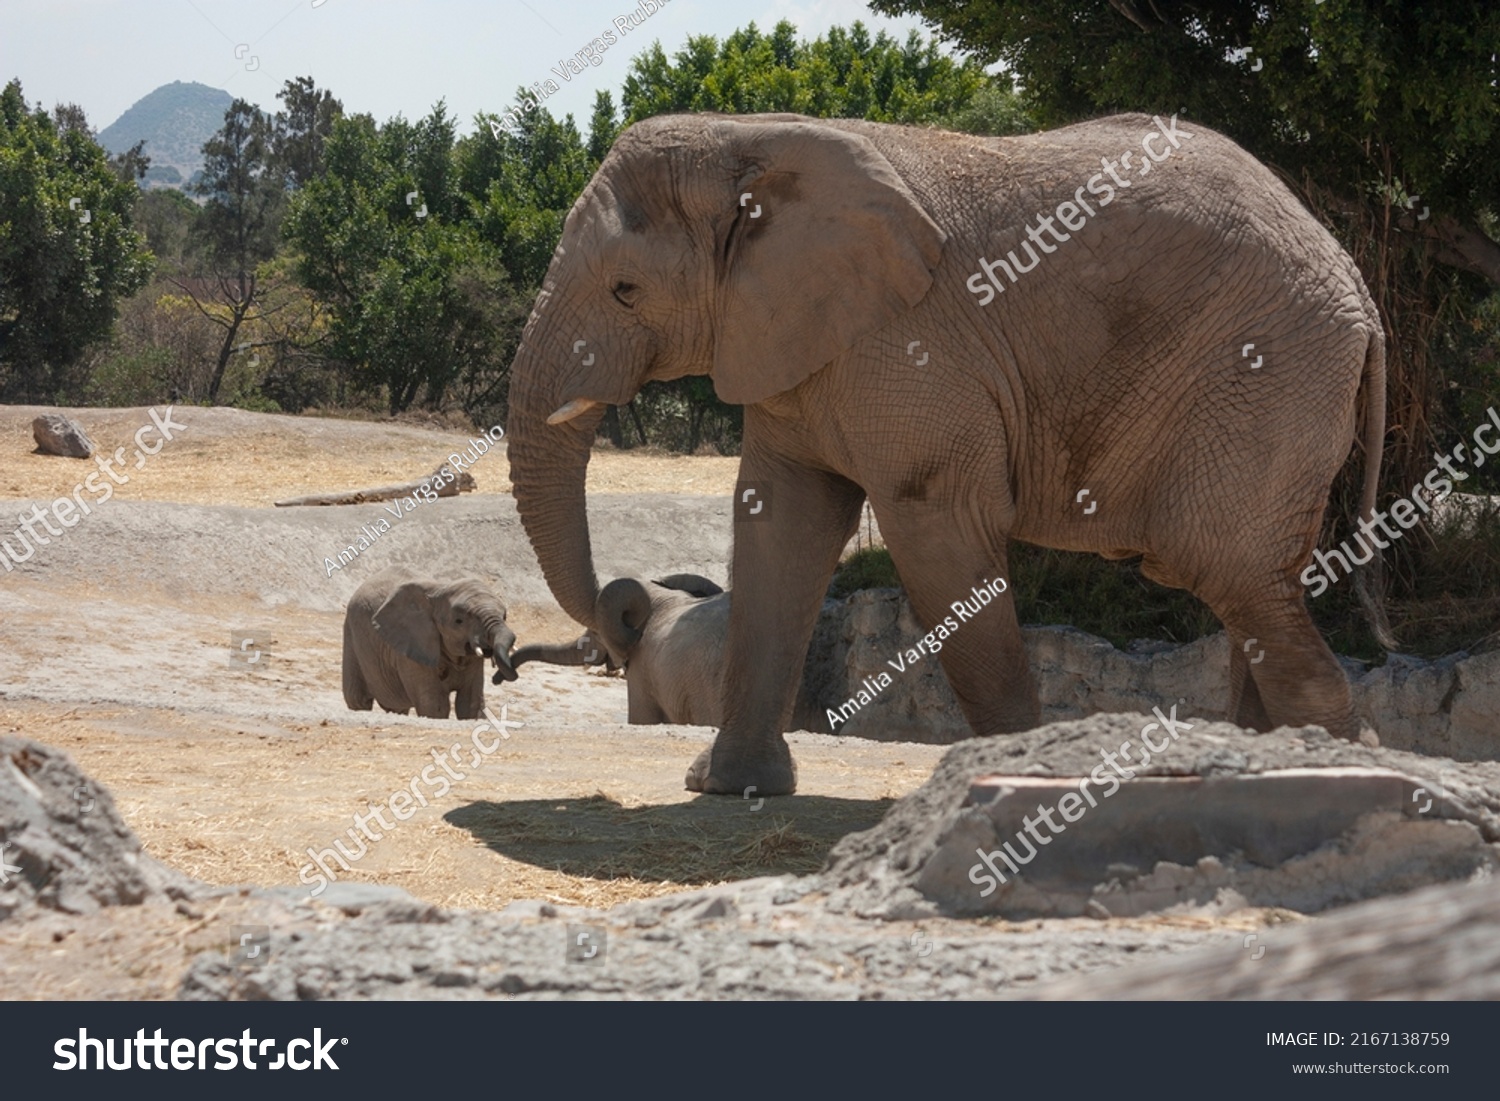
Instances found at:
x=175 y=121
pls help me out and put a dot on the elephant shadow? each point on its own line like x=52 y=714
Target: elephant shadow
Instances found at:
x=707 y=840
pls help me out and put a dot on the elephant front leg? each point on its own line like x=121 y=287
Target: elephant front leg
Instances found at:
x=469 y=702
x=429 y=693
x=790 y=526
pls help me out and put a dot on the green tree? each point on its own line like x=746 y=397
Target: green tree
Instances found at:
x=300 y=131
x=521 y=182
x=418 y=301
x=133 y=164
x=239 y=227
x=68 y=251
x=843 y=74
x=169 y=219
x=603 y=127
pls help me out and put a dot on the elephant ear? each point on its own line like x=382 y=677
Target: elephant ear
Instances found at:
x=838 y=248
x=620 y=616
x=406 y=624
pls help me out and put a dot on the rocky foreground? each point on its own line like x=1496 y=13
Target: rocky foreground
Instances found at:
x=1234 y=865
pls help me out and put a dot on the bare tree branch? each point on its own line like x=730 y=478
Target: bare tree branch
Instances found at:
x=1463 y=246
x=1132 y=13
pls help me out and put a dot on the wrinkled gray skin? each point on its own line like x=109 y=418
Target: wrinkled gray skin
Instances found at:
x=668 y=635
x=411 y=641
x=832 y=302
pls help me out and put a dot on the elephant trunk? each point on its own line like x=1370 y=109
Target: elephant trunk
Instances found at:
x=547 y=467
x=496 y=640
x=583 y=651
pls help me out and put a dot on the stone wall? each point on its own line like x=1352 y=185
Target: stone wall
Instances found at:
x=1448 y=707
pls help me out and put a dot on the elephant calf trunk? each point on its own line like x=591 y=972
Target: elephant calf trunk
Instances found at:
x=501 y=641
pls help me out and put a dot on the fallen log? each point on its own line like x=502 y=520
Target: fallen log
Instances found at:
x=443 y=481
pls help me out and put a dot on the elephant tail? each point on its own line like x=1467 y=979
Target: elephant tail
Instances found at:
x=1369 y=582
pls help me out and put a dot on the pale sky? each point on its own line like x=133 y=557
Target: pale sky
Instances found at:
x=378 y=56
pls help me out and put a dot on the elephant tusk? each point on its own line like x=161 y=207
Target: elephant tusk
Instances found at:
x=572 y=409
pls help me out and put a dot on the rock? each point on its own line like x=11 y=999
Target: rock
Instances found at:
x=1438 y=943
x=59 y=435
x=1445 y=707
x=66 y=847
x=1298 y=838
x=352 y=898
x=813 y=937
x=1219 y=819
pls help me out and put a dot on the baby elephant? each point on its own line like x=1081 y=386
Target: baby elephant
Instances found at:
x=669 y=637
x=410 y=641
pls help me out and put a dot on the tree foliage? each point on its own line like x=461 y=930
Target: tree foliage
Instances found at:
x=843 y=74
x=68 y=249
x=250 y=166
x=419 y=302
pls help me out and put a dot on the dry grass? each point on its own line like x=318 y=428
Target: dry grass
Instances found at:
x=239 y=800
x=228 y=457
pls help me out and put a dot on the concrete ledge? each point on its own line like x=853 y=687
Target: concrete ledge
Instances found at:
x=1298 y=837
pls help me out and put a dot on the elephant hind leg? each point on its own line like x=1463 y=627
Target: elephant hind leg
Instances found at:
x=1282 y=672
x=642 y=710
x=948 y=568
x=1246 y=709
x=357 y=694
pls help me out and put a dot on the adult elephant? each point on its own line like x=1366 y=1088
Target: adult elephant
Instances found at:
x=1045 y=338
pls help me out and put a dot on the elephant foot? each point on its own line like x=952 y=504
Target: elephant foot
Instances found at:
x=743 y=775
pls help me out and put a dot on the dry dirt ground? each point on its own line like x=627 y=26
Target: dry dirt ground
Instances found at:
x=114 y=645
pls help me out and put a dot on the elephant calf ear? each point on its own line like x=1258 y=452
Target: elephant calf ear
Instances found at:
x=406 y=625
x=839 y=247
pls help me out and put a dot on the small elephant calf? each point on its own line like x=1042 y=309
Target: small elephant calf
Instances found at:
x=411 y=641
x=669 y=637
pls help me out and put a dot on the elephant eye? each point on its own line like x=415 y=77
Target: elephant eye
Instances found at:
x=626 y=294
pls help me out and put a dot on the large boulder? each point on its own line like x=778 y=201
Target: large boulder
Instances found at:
x=59 y=435
x=1218 y=817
